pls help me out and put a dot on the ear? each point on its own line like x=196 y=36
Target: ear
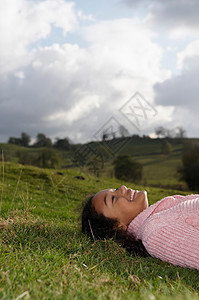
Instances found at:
x=122 y=227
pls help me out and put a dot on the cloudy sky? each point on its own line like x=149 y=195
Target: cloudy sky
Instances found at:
x=70 y=68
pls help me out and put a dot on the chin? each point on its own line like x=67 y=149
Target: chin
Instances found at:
x=143 y=193
x=145 y=198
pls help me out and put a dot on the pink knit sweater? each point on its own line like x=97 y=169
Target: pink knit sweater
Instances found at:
x=169 y=230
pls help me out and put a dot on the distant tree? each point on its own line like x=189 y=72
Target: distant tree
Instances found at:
x=190 y=168
x=147 y=137
x=126 y=168
x=48 y=158
x=63 y=144
x=136 y=136
x=43 y=141
x=25 y=139
x=15 y=141
x=26 y=158
x=104 y=136
x=166 y=147
x=181 y=133
x=160 y=131
x=123 y=131
x=177 y=132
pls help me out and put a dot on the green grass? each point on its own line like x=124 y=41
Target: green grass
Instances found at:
x=43 y=255
x=158 y=170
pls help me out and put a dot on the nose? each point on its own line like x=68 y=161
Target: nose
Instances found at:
x=123 y=189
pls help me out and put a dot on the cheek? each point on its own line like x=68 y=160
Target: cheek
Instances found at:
x=124 y=208
x=141 y=196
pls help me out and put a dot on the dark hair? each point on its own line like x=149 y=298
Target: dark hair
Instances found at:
x=97 y=226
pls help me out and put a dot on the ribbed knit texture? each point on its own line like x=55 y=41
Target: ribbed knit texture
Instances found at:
x=169 y=230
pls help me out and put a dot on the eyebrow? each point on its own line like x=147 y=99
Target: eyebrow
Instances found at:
x=105 y=199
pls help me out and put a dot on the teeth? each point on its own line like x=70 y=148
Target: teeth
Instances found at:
x=132 y=194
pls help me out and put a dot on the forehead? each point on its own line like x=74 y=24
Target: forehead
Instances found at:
x=98 y=201
x=100 y=194
x=99 y=197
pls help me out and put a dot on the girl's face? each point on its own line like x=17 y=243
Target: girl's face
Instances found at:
x=122 y=204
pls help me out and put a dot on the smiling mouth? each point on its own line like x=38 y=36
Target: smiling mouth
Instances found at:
x=132 y=194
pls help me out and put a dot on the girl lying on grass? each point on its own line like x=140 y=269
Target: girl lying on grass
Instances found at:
x=168 y=229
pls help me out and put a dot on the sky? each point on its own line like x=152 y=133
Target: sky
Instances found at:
x=77 y=69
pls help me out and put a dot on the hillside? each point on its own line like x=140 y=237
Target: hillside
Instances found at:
x=158 y=169
x=43 y=255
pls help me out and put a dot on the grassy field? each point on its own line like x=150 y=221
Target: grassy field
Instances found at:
x=158 y=170
x=45 y=256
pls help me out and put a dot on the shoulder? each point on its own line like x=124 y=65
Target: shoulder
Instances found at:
x=171 y=214
x=174 y=244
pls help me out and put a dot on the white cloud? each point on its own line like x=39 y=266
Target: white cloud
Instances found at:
x=85 y=17
x=127 y=49
x=69 y=90
x=82 y=108
x=185 y=57
x=181 y=91
x=25 y=22
x=179 y=19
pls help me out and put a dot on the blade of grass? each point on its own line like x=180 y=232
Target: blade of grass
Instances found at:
x=16 y=189
x=27 y=196
x=2 y=156
x=26 y=204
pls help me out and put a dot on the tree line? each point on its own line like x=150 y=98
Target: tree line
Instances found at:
x=125 y=167
x=42 y=141
x=177 y=132
x=47 y=157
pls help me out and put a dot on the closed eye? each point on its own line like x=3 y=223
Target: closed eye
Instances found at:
x=113 y=196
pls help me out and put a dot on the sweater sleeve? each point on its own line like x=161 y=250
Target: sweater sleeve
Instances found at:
x=176 y=243
x=171 y=201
